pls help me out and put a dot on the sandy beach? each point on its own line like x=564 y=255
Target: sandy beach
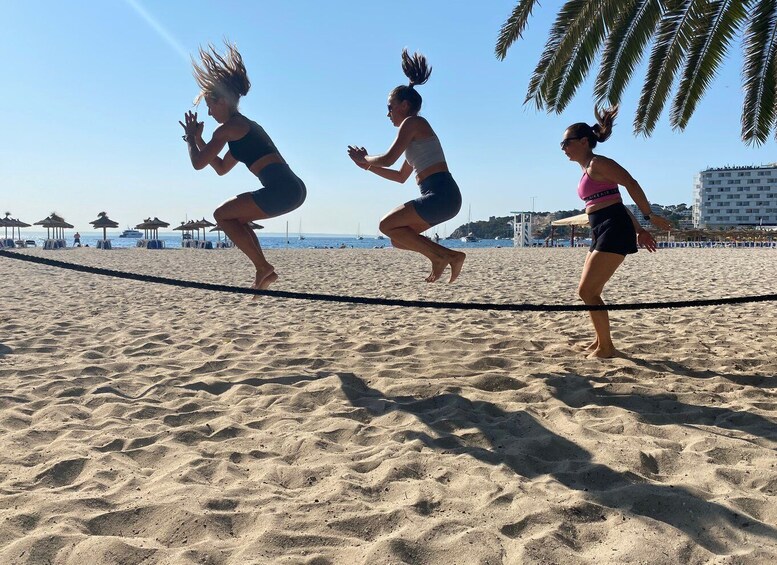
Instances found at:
x=149 y=424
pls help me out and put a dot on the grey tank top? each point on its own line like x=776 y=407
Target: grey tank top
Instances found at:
x=423 y=153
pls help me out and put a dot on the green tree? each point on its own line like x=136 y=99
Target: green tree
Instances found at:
x=687 y=40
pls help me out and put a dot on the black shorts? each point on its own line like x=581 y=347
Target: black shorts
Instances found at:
x=283 y=191
x=612 y=230
x=440 y=198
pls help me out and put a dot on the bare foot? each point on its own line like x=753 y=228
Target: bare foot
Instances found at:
x=605 y=353
x=456 y=264
x=438 y=268
x=264 y=279
x=268 y=280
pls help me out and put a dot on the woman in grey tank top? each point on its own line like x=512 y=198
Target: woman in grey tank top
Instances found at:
x=440 y=198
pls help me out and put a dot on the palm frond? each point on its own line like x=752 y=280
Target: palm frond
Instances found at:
x=668 y=53
x=576 y=68
x=564 y=46
x=759 y=73
x=513 y=28
x=624 y=48
x=552 y=53
x=719 y=22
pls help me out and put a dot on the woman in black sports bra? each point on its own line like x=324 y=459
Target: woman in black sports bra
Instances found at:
x=223 y=80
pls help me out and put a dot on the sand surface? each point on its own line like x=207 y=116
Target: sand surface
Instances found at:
x=149 y=424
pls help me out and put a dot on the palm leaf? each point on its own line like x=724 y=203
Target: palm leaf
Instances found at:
x=720 y=21
x=673 y=37
x=566 y=52
x=513 y=28
x=552 y=55
x=759 y=72
x=576 y=68
x=624 y=48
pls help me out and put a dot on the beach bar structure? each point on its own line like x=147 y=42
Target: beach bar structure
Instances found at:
x=55 y=231
x=150 y=229
x=104 y=222
x=573 y=222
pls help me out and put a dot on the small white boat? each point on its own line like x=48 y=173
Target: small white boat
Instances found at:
x=470 y=237
x=131 y=233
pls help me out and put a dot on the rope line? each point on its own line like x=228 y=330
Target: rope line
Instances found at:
x=525 y=307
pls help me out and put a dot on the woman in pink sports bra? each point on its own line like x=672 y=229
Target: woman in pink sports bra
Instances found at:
x=615 y=232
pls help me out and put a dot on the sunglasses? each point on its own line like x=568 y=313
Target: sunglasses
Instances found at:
x=568 y=140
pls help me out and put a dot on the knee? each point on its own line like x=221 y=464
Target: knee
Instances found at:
x=587 y=294
x=385 y=227
x=219 y=214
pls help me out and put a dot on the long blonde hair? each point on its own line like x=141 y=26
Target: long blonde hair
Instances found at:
x=221 y=76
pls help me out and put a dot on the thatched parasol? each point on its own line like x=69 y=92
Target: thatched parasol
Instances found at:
x=18 y=224
x=151 y=227
x=9 y=222
x=54 y=222
x=104 y=222
x=184 y=228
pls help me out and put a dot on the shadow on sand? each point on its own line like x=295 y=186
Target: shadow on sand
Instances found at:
x=761 y=381
x=5 y=350
x=661 y=409
x=520 y=442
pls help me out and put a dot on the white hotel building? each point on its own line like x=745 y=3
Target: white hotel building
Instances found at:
x=735 y=196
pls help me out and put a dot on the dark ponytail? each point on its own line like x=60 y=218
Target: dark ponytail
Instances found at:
x=599 y=132
x=417 y=70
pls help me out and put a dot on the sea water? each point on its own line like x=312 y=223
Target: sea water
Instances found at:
x=268 y=241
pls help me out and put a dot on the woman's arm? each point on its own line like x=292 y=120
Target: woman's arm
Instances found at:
x=399 y=176
x=222 y=165
x=202 y=156
x=644 y=238
x=358 y=154
x=405 y=135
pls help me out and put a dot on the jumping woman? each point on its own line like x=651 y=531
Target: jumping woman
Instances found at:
x=223 y=80
x=440 y=198
x=615 y=231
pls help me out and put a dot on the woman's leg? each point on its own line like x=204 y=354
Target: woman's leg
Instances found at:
x=403 y=226
x=233 y=217
x=599 y=268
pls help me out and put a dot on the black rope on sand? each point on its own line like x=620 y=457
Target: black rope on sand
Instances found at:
x=387 y=301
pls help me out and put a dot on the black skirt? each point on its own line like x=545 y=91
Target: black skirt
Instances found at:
x=612 y=230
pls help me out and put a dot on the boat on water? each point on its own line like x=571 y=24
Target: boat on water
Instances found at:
x=470 y=237
x=131 y=233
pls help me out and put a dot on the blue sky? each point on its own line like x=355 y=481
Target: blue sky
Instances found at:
x=93 y=91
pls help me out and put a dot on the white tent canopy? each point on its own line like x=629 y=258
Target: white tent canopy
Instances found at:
x=579 y=220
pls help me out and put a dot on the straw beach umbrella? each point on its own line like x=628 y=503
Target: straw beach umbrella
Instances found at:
x=104 y=222
x=184 y=228
x=18 y=224
x=57 y=224
x=5 y=223
x=151 y=227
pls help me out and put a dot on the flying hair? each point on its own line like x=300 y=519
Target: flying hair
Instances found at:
x=221 y=76
x=415 y=68
x=605 y=119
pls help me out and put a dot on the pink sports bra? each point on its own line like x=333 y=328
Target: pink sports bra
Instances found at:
x=595 y=191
